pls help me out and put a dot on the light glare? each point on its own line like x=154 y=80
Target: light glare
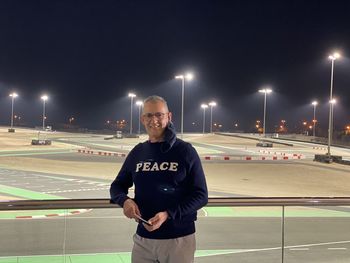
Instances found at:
x=265 y=90
x=189 y=76
x=334 y=56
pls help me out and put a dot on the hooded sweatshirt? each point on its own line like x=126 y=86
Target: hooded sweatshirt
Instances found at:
x=168 y=176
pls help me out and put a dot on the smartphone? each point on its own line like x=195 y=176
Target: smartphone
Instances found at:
x=144 y=221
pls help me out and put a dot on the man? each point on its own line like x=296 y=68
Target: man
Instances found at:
x=169 y=189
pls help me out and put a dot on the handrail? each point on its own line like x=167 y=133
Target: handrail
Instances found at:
x=215 y=201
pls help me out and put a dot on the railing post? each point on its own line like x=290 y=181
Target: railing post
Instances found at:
x=282 y=243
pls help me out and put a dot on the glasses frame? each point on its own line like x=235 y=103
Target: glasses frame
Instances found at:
x=158 y=115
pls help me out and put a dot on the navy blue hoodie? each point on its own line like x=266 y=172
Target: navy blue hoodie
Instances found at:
x=168 y=176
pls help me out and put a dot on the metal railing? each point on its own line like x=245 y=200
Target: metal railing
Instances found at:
x=213 y=202
x=221 y=201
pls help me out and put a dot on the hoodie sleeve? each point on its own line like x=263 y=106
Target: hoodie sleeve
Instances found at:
x=198 y=192
x=120 y=187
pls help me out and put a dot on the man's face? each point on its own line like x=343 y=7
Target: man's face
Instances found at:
x=155 y=118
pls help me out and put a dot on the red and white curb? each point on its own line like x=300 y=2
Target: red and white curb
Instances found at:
x=272 y=157
x=102 y=153
x=75 y=212
x=251 y=158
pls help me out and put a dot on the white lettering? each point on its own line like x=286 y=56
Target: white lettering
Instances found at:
x=146 y=166
x=173 y=167
x=138 y=166
x=155 y=167
x=164 y=166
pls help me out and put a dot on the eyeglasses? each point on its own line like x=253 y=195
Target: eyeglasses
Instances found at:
x=158 y=115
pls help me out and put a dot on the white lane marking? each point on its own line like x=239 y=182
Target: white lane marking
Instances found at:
x=76 y=190
x=320 y=244
x=337 y=248
x=299 y=249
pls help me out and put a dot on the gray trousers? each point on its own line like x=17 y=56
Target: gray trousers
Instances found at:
x=176 y=250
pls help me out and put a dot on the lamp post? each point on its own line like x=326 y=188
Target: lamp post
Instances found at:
x=139 y=103
x=13 y=96
x=204 y=106
x=188 y=76
x=131 y=96
x=314 y=103
x=44 y=98
x=332 y=57
x=265 y=91
x=332 y=103
x=211 y=104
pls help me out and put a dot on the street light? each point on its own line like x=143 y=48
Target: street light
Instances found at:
x=131 y=95
x=204 y=106
x=314 y=103
x=211 y=104
x=332 y=57
x=332 y=103
x=265 y=91
x=44 y=98
x=139 y=103
x=188 y=76
x=13 y=96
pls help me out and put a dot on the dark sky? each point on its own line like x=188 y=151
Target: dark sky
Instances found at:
x=87 y=55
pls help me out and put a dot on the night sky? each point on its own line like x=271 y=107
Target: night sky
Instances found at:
x=87 y=55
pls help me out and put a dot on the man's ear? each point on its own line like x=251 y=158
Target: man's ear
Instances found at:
x=170 y=116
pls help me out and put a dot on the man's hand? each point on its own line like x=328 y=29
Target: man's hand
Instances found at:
x=131 y=210
x=156 y=221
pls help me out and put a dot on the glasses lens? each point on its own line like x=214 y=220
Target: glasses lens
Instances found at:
x=158 y=115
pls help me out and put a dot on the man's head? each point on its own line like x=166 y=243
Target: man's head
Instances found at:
x=155 y=117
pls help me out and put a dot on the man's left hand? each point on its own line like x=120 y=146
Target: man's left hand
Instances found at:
x=156 y=221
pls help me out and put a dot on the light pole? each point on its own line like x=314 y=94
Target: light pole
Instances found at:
x=211 y=104
x=131 y=96
x=265 y=91
x=13 y=96
x=204 y=106
x=139 y=103
x=332 y=103
x=44 y=98
x=188 y=76
x=330 y=121
x=314 y=103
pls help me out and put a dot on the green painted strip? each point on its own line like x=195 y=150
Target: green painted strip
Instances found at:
x=121 y=257
x=26 y=194
x=203 y=150
x=272 y=212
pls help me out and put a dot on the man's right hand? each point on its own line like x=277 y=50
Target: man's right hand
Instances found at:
x=131 y=210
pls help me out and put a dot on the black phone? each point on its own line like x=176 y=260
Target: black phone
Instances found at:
x=144 y=221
